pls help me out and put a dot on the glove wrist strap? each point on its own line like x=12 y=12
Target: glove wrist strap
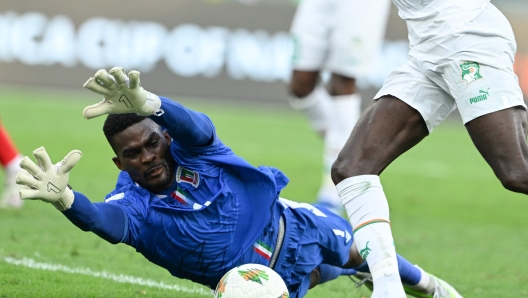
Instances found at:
x=151 y=107
x=66 y=200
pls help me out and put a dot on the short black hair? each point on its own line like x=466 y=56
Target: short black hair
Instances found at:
x=116 y=123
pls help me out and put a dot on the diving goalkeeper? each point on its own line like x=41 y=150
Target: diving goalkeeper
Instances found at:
x=187 y=203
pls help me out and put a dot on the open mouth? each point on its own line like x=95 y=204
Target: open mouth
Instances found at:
x=155 y=171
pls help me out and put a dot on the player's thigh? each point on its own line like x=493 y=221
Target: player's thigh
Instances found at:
x=314 y=235
x=331 y=233
x=410 y=85
x=480 y=77
x=310 y=26
x=357 y=36
x=406 y=109
x=500 y=137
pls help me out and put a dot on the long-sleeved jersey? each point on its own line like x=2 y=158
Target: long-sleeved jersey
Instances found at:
x=219 y=212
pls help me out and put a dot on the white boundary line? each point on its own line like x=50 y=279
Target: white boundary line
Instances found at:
x=120 y=278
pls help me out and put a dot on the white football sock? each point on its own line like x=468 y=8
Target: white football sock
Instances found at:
x=368 y=211
x=13 y=167
x=426 y=281
x=345 y=112
x=9 y=198
x=426 y=284
x=327 y=195
x=316 y=106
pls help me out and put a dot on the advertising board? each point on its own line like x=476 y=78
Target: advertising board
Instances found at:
x=218 y=49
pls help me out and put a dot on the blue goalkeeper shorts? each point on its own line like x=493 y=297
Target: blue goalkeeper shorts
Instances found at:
x=314 y=235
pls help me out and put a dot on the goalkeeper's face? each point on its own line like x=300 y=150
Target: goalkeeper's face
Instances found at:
x=143 y=151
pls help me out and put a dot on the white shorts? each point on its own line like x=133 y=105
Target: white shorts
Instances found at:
x=341 y=36
x=471 y=68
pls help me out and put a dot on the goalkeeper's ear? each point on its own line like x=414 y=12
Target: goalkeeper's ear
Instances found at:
x=118 y=163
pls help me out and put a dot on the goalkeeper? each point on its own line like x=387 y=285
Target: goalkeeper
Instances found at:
x=187 y=203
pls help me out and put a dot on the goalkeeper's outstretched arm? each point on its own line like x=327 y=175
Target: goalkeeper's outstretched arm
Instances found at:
x=48 y=182
x=105 y=220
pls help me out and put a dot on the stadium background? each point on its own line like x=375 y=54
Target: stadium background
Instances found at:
x=215 y=49
x=449 y=212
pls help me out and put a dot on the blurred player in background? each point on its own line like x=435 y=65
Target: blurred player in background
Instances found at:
x=187 y=203
x=9 y=159
x=340 y=37
x=461 y=56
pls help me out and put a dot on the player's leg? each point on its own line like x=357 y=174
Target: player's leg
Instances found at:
x=388 y=128
x=416 y=281
x=344 y=112
x=356 y=38
x=391 y=125
x=488 y=95
x=501 y=139
x=311 y=99
x=309 y=30
x=316 y=244
x=331 y=116
x=9 y=159
x=411 y=275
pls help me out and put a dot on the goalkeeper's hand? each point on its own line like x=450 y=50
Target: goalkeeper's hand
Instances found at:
x=122 y=94
x=48 y=182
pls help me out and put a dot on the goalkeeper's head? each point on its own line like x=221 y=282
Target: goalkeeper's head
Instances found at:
x=142 y=150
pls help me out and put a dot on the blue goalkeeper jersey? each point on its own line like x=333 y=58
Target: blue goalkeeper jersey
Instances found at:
x=220 y=212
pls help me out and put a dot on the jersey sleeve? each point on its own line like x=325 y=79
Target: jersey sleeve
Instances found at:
x=187 y=127
x=134 y=203
x=104 y=220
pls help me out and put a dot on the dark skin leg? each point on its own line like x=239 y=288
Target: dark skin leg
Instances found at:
x=304 y=82
x=500 y=138
x=388 y=128
x=341 y=85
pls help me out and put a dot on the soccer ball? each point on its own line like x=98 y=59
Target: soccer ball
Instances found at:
x=251 y=281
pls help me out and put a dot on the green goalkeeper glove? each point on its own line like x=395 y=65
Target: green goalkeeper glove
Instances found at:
x=122 y=94
x=48 y=182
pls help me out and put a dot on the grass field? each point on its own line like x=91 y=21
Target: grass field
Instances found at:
x=449 y=213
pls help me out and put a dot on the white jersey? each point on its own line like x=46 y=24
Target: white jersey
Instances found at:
x=429 y=18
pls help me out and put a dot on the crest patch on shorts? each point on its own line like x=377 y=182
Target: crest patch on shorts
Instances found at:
x=470 y=71
x=187 y=176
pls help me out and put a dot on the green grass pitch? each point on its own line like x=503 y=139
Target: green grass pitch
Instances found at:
x=449 y=213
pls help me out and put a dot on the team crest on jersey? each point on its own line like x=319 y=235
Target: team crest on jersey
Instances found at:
x=187 y=176
x=470 y=71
